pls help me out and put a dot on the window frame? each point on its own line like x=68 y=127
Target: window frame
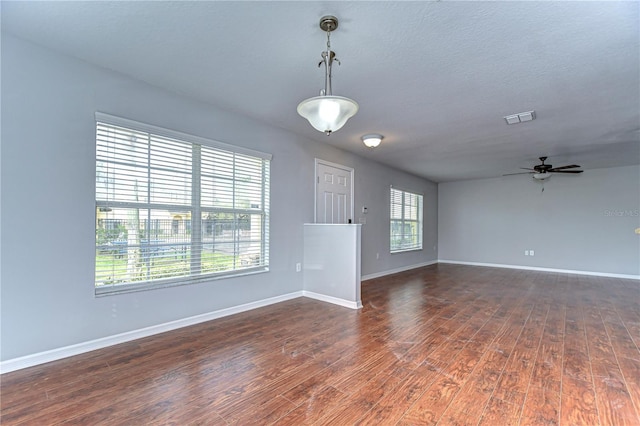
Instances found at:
x=195 y=208
x=402 y=247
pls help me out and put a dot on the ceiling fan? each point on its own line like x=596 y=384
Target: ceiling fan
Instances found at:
x=544 y=171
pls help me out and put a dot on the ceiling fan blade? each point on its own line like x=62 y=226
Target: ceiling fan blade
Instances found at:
x=566 y=171
x=526 y=168
x=572 y=166
x=521 y=173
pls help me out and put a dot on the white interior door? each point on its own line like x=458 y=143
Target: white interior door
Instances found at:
x=334 y=193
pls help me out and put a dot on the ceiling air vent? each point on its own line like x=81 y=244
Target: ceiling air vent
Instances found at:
x=520 y=117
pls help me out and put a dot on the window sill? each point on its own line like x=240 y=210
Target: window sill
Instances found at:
x=114 y=289
x=405 y=250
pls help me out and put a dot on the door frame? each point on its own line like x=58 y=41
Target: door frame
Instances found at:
x=315 y=186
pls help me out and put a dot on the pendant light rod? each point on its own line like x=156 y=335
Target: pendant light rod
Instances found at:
x=327 y=59
x=328 y=24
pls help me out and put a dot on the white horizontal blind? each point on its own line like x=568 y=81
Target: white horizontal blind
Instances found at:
x=170 y=211
x=406 y=220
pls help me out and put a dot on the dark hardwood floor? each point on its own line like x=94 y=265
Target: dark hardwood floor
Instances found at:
x=445 y=344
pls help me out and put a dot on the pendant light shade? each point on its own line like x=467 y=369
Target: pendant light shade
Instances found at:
x=328 y=113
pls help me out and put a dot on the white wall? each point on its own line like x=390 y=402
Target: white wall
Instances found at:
x=47 y=197
x=332 y=259
x=580 y=222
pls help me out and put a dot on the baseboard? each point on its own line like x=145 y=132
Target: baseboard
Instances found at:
x=80 y=348
x=536 y=268
x=334 y=300
x=396 y=270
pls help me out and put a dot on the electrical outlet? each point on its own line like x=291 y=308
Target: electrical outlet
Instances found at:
x=526 y=252
x=531 y=253
x=298 y=267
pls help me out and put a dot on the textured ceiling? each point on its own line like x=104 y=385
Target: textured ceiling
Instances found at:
x=435 y=78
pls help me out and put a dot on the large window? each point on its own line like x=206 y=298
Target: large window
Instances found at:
x=406 y=221
x=173 y=208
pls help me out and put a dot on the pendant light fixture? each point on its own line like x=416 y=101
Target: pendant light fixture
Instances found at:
x=328 y=113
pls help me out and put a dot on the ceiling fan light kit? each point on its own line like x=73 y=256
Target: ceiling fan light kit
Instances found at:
x=541 y=176
x=328 y=113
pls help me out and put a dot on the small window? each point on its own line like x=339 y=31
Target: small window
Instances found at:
x=406 y=221
x=171 y=211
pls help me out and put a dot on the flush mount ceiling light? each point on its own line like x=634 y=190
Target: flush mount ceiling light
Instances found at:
x=372 y=140
x=328 y=113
